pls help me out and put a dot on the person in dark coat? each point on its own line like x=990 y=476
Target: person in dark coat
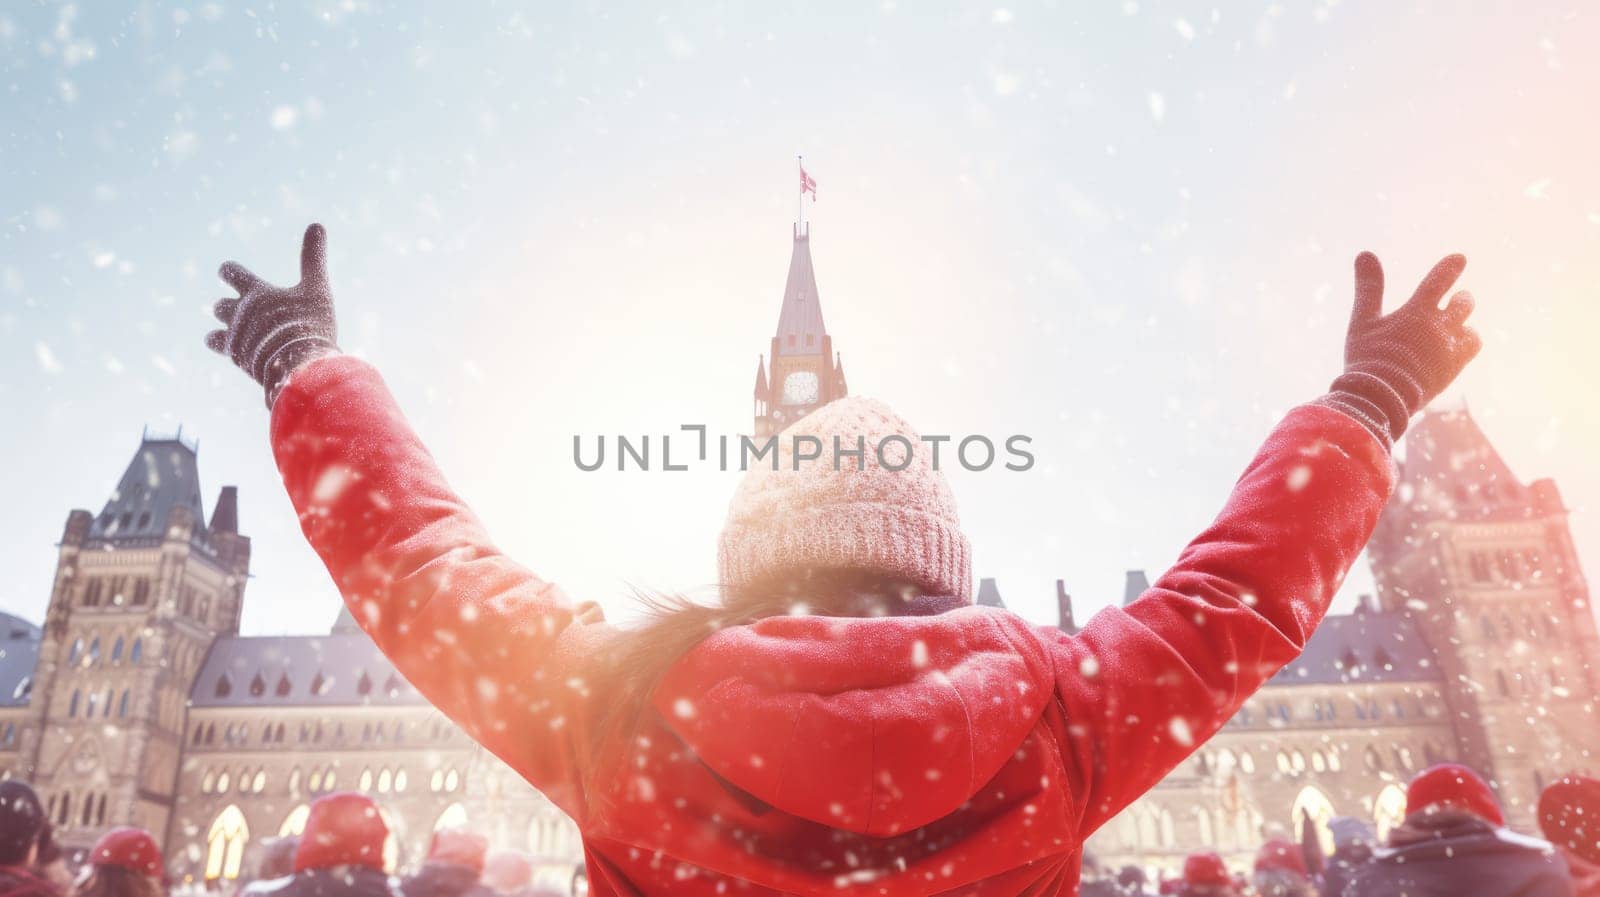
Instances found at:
x=277 y=862
x=453 y=867
x=1352 y=849
x=1454 y=841
x=340 y=853
x=22 y=828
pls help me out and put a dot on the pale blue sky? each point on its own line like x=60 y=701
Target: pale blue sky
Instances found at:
x=1123 y=228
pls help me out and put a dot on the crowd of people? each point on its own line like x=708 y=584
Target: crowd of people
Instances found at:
x=1453 y=841
x=339 y=854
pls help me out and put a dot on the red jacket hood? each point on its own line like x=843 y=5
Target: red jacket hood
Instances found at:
x=871 y=725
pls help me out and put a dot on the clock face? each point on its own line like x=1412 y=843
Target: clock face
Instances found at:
x=800 y=388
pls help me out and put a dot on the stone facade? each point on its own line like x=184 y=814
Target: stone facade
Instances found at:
x=138 y=703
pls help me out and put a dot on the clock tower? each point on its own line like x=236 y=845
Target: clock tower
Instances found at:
x=805 y=373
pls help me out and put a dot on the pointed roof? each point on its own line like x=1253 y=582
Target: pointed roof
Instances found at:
x=19 y=654
x=761 y=377
x=1452 y=471
x=801 y=316
x=164 y=474
x=345 y=623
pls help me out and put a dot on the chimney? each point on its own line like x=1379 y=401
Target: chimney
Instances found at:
x=989 y=593
x=225 y=516
x=1135 y=585
x=1064 y=618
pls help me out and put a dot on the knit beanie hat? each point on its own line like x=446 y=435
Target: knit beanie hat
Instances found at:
x=21 y=821
x=343 y=829
x=132 y=849
x=1205 y=868
x=1279 y=855
x=1569 y=815
x=1453 y=785
x=887 y=511
x=458 y=847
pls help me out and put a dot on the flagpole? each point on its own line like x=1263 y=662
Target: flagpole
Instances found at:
x=800 y=197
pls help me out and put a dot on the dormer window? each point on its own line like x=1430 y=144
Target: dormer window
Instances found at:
x=364 y=684
x=224 y=688
x=258 y=686
x=282 y=690
x=319 y=684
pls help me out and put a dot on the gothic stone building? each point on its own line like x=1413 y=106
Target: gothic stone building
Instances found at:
x=138 y=702
x=1481 y=648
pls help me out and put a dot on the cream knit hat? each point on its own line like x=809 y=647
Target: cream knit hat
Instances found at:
x=901 y=523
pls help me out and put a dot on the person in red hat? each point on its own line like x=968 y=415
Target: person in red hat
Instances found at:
x=1206 y=875
x=1569 y=815
x=1454 y=841
x=24 y=830
x=340 y=853
x=1280 y=870
x=453 y=867
x=125 y=862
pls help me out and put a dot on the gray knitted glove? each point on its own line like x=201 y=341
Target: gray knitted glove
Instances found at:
x=272 y=330
x=1395 y=364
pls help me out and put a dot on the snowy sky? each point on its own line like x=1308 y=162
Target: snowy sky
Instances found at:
x=1122 y=228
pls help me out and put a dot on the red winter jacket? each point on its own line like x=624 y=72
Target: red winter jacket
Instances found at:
x=964 y=753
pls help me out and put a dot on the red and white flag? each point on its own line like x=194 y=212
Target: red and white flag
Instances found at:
x=807 y=182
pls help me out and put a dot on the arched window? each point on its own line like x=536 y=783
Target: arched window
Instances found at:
x=116 y=651
x=1312 y=804
x=1148 y=836
x=454 y=816
x=1169 y=833
x=316 y=781
x=72 y=705
x=295 y=822
x=122 y=704
x=1389 y=809
x=106 y=711
x=283 y=686
x=208 y=782
x=86 y=817
x=64 y=809
x=385 y=781
x=400 y=782
x=1202 y=824
x=259 y=783
x=258 y=686
x=75 y=651
x=365 y=782
x=137 y=652
x=225 y=844
x=94 y=652
x=451 y=780
x=223 y=687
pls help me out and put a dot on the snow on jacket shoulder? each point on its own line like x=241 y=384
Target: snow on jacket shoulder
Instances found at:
x=964 y=752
